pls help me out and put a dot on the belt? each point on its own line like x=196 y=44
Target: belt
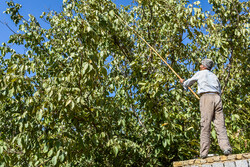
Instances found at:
x=210 y=93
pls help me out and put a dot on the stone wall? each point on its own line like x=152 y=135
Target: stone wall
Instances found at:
x=234 y=160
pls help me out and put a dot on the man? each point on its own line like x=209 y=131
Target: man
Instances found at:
x=210 y=108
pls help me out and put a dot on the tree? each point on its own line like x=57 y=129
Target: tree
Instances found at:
x=89 y=92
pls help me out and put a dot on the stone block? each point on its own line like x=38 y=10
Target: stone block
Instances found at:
x=235 y=160
x=246 y=155
x=206 y=165
x=231 y=157
x=203 y=161
x=241 y=163
x=177 y=164
x=229 y=164
x=218 y=164
x=191 y=162
x=185 y=163
x=197 y=161
x=239 y=156
x=210 y=160
x=216 y=159
x=223 y=158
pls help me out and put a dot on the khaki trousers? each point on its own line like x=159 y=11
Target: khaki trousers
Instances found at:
x=211 y=110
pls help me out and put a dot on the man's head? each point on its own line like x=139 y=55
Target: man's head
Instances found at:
x=206 y=64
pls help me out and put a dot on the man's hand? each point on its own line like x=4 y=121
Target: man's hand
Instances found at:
x=182 y=80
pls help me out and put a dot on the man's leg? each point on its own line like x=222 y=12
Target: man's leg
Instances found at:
x=207 y=114
x=219 y=123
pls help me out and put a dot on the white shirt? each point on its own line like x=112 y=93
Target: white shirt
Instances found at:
x=207 y=82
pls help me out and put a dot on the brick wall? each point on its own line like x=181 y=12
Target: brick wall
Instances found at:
x=234 y=160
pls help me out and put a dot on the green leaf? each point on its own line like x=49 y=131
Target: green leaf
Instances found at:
x=61 y=157
x=59 y=96
x=50 y=152
x=19 y=142
x=45 y=149
x=1 y=149
x=85 y=67
x=115 y=150
x=68 y=102
x=14 y=79
x=213 y=134
x=142 y=83
x=39 y=115
x=111 y=13
x=54 y=160
x=164 y=143
x=104 y=71
x=89 y=29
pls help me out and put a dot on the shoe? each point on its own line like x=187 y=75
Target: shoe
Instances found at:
x=227 y=152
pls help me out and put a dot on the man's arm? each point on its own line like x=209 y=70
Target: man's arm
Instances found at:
x=189 y=81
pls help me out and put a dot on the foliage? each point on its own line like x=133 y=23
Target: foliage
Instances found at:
x=88 y=92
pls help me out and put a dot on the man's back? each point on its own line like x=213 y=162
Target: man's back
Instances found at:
x=207 y=82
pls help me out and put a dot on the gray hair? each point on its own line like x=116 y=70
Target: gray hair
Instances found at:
x=208 y=63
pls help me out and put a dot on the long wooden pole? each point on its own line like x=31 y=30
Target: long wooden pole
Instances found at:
x=156 y=53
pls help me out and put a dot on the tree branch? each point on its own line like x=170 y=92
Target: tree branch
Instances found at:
x=43 y=162
x=137 y=116
x=8 y=27
x=229 y=70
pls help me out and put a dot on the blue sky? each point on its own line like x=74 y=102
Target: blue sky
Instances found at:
x=36 y=7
